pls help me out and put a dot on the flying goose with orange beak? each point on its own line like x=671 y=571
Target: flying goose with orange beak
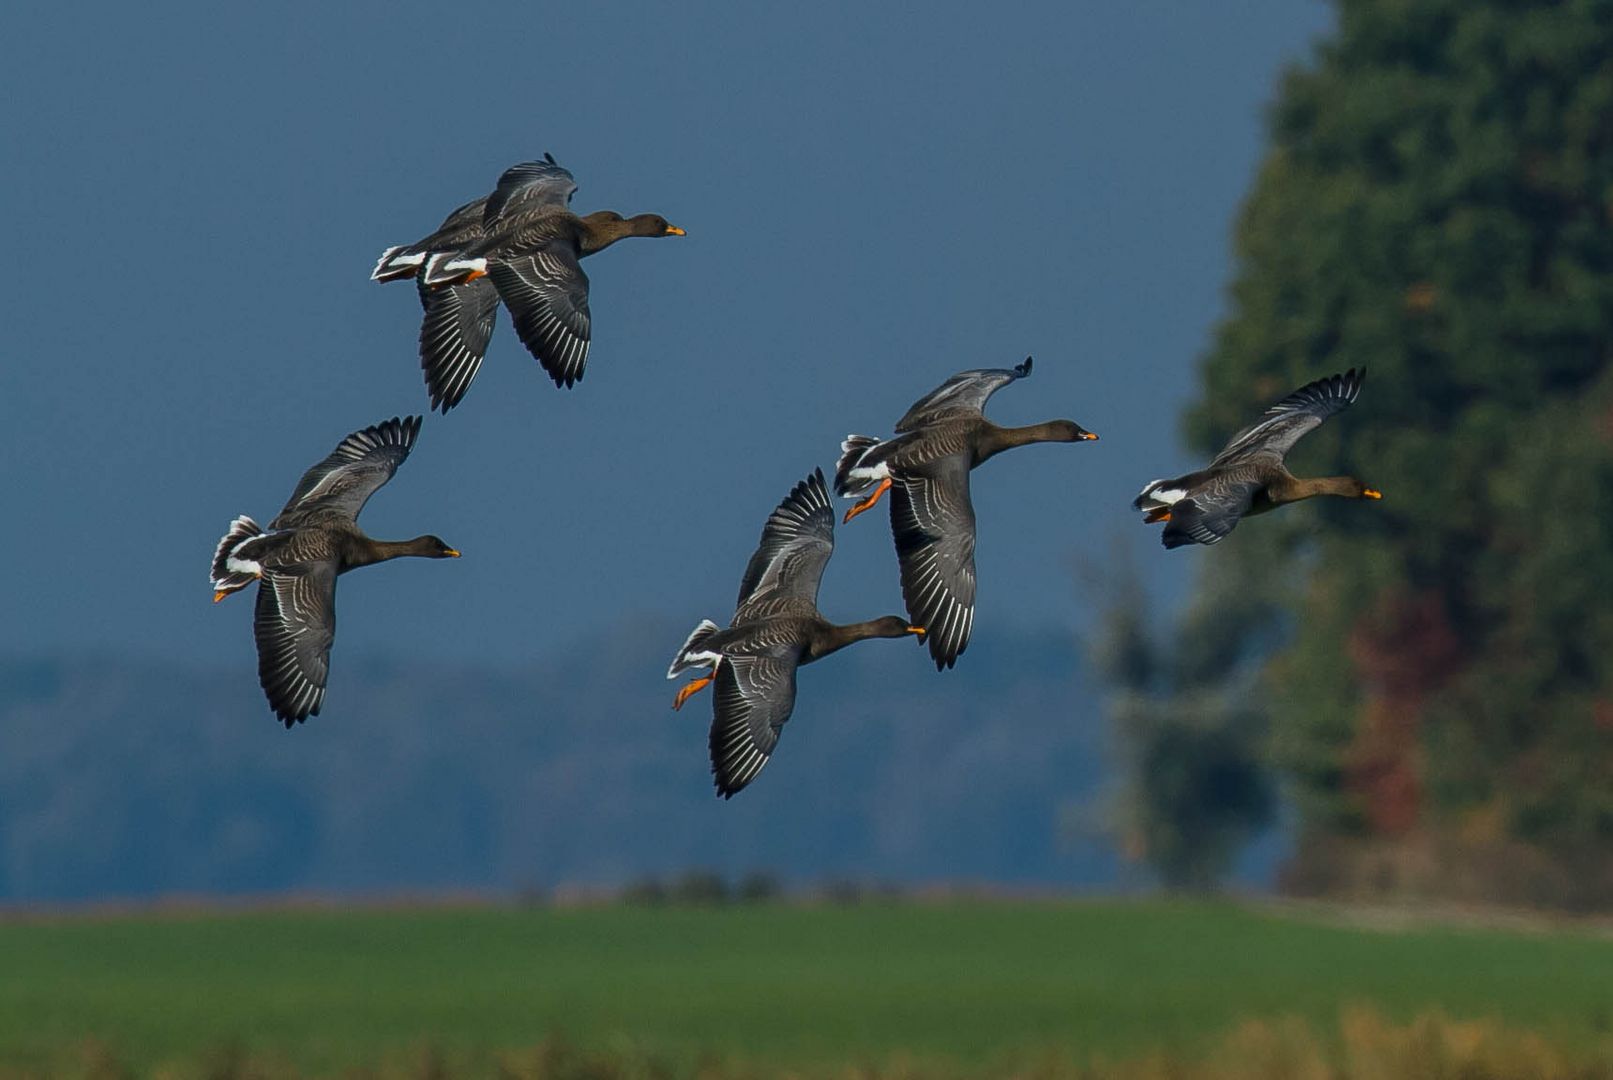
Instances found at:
x=531 y=248
x=296 y=561
x=926 y=469
x=776 y=628
x=1248 y=476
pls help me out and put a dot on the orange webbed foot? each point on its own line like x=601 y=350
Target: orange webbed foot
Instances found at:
x=689 y=691
x=868 y=503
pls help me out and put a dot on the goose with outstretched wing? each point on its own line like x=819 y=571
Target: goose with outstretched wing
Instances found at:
x=775 y=629
x=296 y=560
x=926 y=470
x=530 y=248
x=1249 y=475
x=459 y=317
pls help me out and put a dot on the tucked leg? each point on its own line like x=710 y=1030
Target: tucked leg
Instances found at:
x=868 y=503
x=689 y=691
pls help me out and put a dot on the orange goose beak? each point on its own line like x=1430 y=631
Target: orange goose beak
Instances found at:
x=1371 y=493
x=919 y=630
x=221 y=594
x=451 y=553
x=673 y=230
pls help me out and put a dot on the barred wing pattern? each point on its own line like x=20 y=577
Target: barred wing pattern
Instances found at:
x=1286 y=422
x=933 y=522
x=529 y=184
x=454 y=334
x=547 y=294
x=355 y=470
x=965 y=393
x=754 y=697
x=795 y=547
x=294 y=624
x=1210 y=513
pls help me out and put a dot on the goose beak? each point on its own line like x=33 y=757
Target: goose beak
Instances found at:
x=673 y=230
x=451 y=553
x=1371 y=493
x=1089 y=436
x=919 y=630
x=221 y=594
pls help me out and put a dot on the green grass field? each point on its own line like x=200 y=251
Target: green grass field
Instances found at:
x=776 y=986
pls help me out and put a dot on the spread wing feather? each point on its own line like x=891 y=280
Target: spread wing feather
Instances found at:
x=795 y=546
x=1210 y=513
x=754 y=697
x=454 y=334
x=529 y=184
x=964 y=393
x=547 y=294
x=344 y=481
x=294 y=624
x=933 y=523
x=1286 y=422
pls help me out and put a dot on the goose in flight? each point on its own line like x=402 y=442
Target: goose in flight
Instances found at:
x=296 y=561
x=775 y=629
x=926 y=470
x=525 y=249
x=1248 y=476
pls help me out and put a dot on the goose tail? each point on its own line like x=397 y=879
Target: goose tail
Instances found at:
x=451 y=268
x=1159 y=495
x=234 y=568
x=397 y=263
x=855 y=473
x=692 y=655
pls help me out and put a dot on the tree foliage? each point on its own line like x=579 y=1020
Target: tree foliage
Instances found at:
x=1437 y=206
x=1195 y=787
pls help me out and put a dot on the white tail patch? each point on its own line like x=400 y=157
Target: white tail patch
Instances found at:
x=230 y=570
x=1154 y=495
x=852 y=477
x=881 y=471
x=443 y=268
x=243 y=566
x=380 y=264
x=392 y=265
x=691 y=655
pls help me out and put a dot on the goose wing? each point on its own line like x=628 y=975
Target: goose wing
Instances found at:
x=463 y=226
x=453 y=336
x=547 y=294
x=1282 y=425
x=294 y=624
x=933 y=522
x=965 y=393
x=796 y=544
x=1211 y=512
x=529 y=184
x=754 y=697
x=360 y=464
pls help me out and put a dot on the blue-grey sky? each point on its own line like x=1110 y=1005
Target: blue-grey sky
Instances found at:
x=874 y=200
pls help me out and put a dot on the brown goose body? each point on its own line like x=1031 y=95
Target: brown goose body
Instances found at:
x=776 y=629
x=792 y=628
x=531 y=249
x=1249 y=476
x=926 y=469
x=295 y=562
x=340 y=543
x=520 y=245
x=973 y=438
